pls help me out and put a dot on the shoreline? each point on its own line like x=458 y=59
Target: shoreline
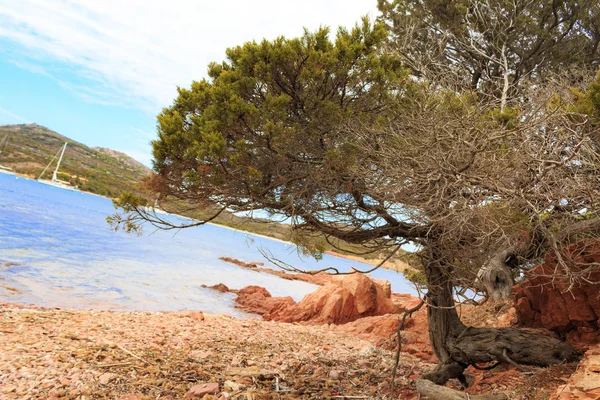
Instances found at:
x=397 y=266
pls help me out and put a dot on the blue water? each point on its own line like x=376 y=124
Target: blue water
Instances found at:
x=57 y=250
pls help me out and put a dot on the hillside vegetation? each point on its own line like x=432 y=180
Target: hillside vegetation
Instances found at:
x=29 y=149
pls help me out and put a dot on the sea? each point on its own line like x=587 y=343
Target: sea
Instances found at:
x=57 y=250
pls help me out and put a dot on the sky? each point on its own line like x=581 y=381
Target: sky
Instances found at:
x=99 y=71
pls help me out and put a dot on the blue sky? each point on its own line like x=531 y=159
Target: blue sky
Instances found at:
x=98 y=71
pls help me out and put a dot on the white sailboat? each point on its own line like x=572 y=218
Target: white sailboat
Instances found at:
x=3 y=169
x=55 y=181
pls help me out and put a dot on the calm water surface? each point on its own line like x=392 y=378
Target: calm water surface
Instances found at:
x=57 y=250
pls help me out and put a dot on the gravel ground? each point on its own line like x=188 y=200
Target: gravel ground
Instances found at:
x=80 y=354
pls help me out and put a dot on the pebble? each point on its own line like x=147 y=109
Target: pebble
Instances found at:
x=105 y=378
x=200 y=390
x=334 y=374
x=231 y=386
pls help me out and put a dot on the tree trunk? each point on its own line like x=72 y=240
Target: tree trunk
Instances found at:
x=457 y=346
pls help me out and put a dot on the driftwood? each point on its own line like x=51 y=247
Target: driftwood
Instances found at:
x=432 y=391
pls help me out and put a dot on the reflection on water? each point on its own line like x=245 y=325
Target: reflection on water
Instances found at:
x=57 y=250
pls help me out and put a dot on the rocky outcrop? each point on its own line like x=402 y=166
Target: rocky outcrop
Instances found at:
x=343 y=299
x=258 y=300
x=386 y=286
x=219 y=287
x=585 y=383
x=320 y=278
x=241 y=263
x=547 y=301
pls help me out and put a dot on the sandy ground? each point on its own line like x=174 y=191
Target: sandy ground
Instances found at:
x=79 y=354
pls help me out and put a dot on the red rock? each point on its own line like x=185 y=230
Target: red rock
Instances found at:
x=523 y=310
x=549 y=303
x=405 y=301
x=258 y=300
x=219 y=287
x=241 y=263
x=371 y=328
x=386 y=286
x=198 y=391
x=342 y=300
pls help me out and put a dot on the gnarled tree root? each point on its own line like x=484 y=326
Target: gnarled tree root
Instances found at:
x=510 y=345
x=432 y=391
x=483 y=345
x=443 y=372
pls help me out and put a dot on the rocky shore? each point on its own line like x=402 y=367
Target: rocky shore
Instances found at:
x=338 y=342
x=77 y=354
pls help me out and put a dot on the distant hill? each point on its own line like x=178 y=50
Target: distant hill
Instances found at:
x=122 y=157
x=29 y=149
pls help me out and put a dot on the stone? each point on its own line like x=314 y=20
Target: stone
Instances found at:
x=258 y=300
x=334 y=374
x=197 y=315
x=105 y=378
x=200 y=390
x=508 y=319
x=343 y=299
x=585 y=382
x=405 y=301
x=230 y=386
x=237 y=360
x=386 y=286
x=219 y=287
x=544 y=302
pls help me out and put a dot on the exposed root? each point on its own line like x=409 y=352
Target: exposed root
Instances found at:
x=487 y=367
x=507 y=359
x=446 y=371
x=514 y=346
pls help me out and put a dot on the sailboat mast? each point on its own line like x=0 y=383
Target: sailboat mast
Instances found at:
x=55 y=174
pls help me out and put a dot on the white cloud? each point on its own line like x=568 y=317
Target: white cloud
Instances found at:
x=134 y=53
x=12 y=117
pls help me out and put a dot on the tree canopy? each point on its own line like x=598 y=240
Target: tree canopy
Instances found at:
x=480 y=41
x=267 y=130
